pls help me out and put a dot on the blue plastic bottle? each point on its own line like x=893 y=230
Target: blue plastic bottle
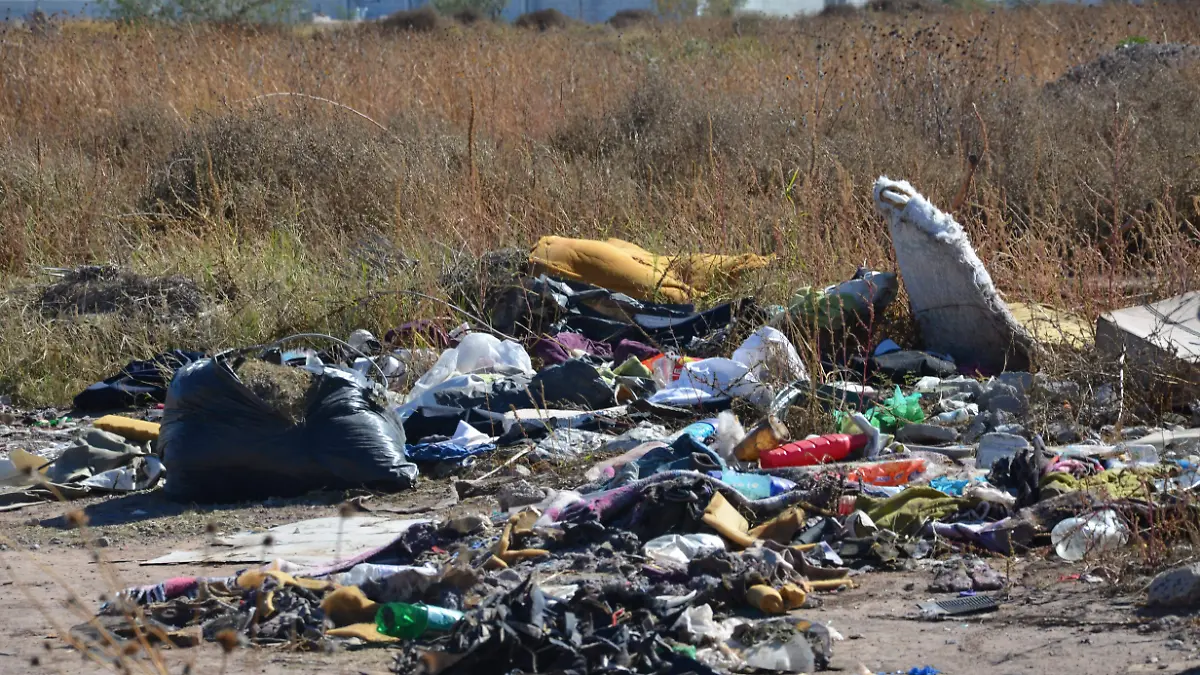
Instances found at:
x=702 y=430
x=753 y=485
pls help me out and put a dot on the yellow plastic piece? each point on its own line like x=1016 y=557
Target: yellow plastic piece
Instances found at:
x=134 y=430
x=766 y=599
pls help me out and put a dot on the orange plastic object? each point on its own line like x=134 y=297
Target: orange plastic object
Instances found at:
x=898 y=472
x=829 y=448
x=676 y=368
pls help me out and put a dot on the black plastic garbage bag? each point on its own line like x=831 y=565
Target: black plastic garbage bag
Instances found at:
x=545 y=305
x=220 y=442
x=903 y=366
x=574 y=384
x=138 y=382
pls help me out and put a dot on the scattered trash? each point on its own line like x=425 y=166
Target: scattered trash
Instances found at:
x=971 y=604
x=1152 y=336
x=682 y=549
x=851 y=303
x=666 y=492
x=402 y=620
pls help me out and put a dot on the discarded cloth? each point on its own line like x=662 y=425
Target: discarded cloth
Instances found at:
x=1117 y=484
x=627 y=268
x=901 y=367
x=574 y=383
x=909 y=511
x=477 y=353
x=445 y=451
x=565 y=346
x=545 y=305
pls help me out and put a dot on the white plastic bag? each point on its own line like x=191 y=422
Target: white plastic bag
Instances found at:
x=682 y=548
x=769 y=352
x=477 y=353
x=766 y=353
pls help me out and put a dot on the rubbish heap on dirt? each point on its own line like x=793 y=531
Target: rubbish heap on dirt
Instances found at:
x=707 y=525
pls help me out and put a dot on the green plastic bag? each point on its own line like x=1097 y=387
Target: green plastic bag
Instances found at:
x=888 y=416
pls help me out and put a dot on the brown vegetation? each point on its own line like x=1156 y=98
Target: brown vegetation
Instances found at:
x=422 y=19
x=543 y=19
x=627 y=18
x=315 y=177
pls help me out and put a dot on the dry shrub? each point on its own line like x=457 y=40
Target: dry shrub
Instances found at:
x=664 y=132
x=840 y=10
x=468 y=16
x=702 y=135
x=628 y=18
x=903 y=6
x=1114 y=173
x=134 y=135
x=246 y=168
x=543 y=20
x=422 y=20
x=320 y=170
x=55 y=204
x=100 y=289
x=283 y=388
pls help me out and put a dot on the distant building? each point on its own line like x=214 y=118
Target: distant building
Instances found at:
x=592 y=11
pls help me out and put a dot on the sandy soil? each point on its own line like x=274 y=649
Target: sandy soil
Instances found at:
x=1049 y=625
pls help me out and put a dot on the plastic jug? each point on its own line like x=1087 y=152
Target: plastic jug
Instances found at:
x=1097 y=533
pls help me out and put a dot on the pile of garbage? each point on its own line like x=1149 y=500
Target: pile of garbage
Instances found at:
x=700 y=539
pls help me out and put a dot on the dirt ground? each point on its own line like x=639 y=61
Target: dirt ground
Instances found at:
x=1050 y=625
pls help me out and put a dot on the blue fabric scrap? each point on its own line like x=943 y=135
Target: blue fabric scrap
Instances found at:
x=444 y=451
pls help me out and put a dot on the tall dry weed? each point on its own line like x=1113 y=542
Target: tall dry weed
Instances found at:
x=361 y=161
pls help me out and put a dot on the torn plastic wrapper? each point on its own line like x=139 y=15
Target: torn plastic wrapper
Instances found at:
x=765 y=353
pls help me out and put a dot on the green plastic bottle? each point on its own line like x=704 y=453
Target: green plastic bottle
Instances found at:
x=409 y=622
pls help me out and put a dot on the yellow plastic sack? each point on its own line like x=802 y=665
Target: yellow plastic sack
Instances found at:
x=630 y=269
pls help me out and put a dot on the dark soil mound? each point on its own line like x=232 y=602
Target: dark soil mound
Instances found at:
x=1128 y=66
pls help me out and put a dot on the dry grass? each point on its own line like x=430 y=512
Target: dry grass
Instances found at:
x=307 y=177
x=283 y=388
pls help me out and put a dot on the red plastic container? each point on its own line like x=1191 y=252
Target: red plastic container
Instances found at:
x=829 y=448
x=897 y=472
